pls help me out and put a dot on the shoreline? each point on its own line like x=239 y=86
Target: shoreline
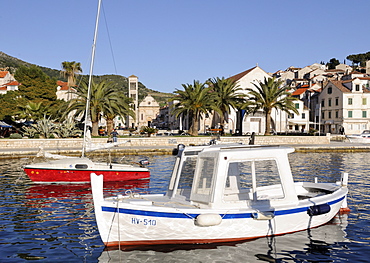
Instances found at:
x=16 y=153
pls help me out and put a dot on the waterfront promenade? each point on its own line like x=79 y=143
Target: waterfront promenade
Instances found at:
x=25 y=148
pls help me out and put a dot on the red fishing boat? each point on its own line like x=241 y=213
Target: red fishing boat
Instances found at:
x=78 y=170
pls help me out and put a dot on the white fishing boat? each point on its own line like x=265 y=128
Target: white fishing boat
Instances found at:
x=219 y=193
x=364 y=137
x=78 y=169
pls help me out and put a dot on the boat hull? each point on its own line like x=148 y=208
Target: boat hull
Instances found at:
x=78 y=170
x=358 y=139
x=40 y=175
x=134 y=225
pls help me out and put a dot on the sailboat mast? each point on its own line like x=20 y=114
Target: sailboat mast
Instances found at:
x=87 y=110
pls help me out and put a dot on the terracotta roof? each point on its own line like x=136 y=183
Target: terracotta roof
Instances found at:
x=13 y=83
x=61 y=83
x=334 y=70
x=3 y=73
x=3 y=87
x=339 y=85
x=299 y=91
x=242 y=74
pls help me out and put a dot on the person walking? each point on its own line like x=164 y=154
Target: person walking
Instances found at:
x=114 y=135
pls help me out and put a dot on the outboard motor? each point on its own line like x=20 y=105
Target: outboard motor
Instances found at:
x=144 y=162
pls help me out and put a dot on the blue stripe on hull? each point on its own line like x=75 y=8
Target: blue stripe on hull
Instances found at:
x=226 y=216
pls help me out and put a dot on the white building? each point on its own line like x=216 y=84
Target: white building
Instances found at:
x=7 y=82
x=64 y=92
x=345 y=104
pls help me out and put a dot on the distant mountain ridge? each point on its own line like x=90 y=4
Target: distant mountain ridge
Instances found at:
x=10 y=64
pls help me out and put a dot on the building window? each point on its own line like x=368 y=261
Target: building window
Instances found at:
x=337 y=114
x=364 y=101
x=336 y=101
x=349 y=114
x=303 y=115
x=322 y=115
x=364 y=114
x=323 y=103
x=329 y=102
x=330 y=90
x=329 y=115
x=349 y=101
x=142 y=116
x=357 y=87
x=297 y=105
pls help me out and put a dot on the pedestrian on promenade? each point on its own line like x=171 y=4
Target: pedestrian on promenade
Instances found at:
x=114 y=134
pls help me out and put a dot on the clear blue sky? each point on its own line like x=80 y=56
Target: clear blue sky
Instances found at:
x=167 y=43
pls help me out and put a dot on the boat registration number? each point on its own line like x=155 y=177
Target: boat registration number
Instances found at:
x=143 y=221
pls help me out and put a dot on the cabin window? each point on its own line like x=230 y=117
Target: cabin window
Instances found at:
x=187 y=173
x=202 y=188
x=253 y=180
x=81 y=166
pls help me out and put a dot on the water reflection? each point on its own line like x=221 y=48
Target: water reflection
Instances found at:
x=56 y=222
x=315 y=245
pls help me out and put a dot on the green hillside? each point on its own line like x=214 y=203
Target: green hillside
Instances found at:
x=11 y=64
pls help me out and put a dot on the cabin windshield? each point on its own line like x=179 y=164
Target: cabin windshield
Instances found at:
x=253 y=180
x=182 y=176
x=202 y=190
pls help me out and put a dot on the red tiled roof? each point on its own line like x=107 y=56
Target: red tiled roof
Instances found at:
x=299 y=91
x=13 y=83
x=61 y=83
x=334 y=70
x=340 y=86
x=3 y=73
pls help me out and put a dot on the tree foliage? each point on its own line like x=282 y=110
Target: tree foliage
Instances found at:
x=227 y=96
x=36 y=85
x=359 y=59
x=105 y=100
x=196 y=99
x=332 y=63
x=268 y=95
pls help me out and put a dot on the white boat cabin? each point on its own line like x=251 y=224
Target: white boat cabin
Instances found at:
x=221 y=176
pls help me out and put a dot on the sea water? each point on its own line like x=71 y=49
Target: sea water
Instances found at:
x=56 y=223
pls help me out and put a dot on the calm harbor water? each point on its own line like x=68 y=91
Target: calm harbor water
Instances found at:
x=56 y=223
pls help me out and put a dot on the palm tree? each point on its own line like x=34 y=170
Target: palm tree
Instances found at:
x=227 y=96
x=269 y=95
x=31 y=111
x=117 y=106
x=193 y=101
x=105 y=100
x=69 y=70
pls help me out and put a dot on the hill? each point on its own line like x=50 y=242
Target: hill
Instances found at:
x=11 y=64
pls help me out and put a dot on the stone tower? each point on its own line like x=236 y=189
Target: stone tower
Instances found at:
x=133 y=92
